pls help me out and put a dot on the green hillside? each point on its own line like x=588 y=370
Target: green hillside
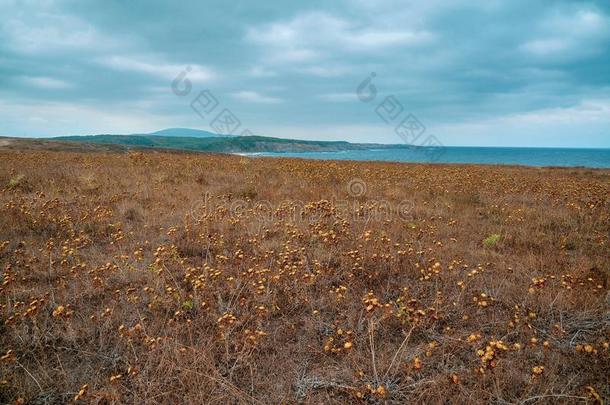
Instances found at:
x=222 y=144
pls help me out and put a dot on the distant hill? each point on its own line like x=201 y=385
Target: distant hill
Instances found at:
x=186 y=132
x=219 y=143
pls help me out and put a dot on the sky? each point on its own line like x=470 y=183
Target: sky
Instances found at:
x=471 y=72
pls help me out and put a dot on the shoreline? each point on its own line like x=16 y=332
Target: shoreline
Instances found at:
x=354 y=155
x=22 y=144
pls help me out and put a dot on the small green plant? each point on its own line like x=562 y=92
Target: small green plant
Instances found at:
x=19 y=181
x=491 y=240
x=187 y=305
x=15 y=181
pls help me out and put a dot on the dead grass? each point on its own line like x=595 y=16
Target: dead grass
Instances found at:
x=134 y=278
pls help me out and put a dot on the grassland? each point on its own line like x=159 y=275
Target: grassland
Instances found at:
x=132 y=277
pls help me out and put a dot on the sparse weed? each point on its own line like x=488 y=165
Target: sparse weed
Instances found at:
x=491 y=240
x=116 y=290
x=18 y=181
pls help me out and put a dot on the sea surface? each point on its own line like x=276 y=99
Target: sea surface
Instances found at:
x=595 y=158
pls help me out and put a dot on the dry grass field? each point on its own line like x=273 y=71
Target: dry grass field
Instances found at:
x=158 y=277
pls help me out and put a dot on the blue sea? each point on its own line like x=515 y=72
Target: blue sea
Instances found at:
x=596 y=158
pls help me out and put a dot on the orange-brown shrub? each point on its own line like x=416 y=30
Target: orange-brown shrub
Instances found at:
x=133 y=278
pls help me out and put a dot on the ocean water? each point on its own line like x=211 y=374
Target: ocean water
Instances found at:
x=595 y=158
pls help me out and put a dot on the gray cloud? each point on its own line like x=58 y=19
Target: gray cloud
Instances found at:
x=466 y=68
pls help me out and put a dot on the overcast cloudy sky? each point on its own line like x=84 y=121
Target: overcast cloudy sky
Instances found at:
x=475 y=72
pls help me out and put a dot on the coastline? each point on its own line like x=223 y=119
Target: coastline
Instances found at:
x=503 y=156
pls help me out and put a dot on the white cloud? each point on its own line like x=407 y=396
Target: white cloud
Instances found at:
x=294 y=55
x=366 y=133
x=569 y=34
x=374 y=38
x=160 y=69
x=310 y=36
x=338 y=97
x=254 y=97
x=52 y=118
x=587 y=111
x=544 y=47
x=47 y=82
x=45 y=33
x=571 y=126
x=323 y=71
x=260 y=71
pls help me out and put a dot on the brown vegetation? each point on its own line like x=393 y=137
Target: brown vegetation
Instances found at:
x=193 y=278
